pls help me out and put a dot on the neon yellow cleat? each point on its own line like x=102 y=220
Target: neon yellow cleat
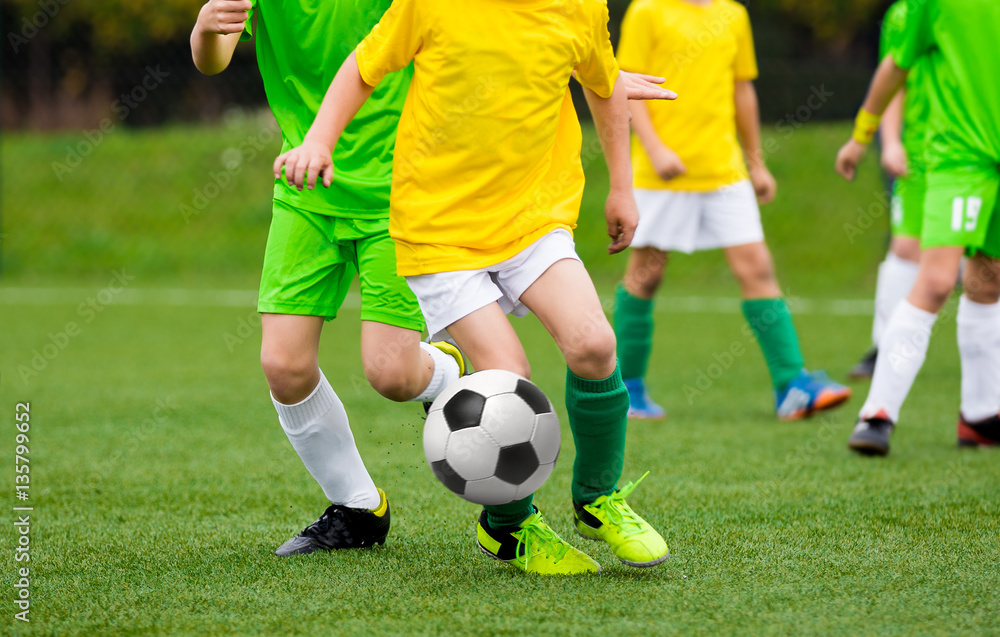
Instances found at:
x=533 y=547
x=611 y=519
x=451 y=350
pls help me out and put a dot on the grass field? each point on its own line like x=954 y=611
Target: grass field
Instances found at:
x=161 y=482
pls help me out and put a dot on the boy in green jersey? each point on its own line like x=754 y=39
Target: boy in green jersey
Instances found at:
x=957 y=40
x=901 y=134
x=320 y=239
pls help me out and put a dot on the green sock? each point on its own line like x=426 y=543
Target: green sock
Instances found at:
x=597 y=410
x=509 y=514
x=771 y=321
x=634 y=331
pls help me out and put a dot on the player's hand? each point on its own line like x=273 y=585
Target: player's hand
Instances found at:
x=645 y=87
x=764 y=185
x=224 y=16
x=894 y=160
x=667 y=163
x=622 y=216
x=305 y=164
x=848 y=158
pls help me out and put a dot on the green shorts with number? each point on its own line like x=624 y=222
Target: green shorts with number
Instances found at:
x=310 y=262
x=960 y=210
x=908 y=205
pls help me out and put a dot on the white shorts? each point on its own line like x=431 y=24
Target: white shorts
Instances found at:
x=446 y=297
x=688 y=221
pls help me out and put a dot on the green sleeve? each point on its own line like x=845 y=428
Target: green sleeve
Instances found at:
x=916 y=37
x=892 y=26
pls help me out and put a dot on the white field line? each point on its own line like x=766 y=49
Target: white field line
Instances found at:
x=166 y=297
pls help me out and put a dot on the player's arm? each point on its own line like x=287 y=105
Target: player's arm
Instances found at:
x=888 y=79
x=611 y=117
x=217 y=32
x=748 y=128
x=314 y=158
x=666 y=162
x=639 y=86
x=891 y=134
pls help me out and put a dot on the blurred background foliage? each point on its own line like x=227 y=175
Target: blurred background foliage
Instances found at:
x=66 y=61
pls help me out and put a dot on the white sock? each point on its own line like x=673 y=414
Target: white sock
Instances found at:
x=901 y=353
x=895 y=280
x=320 y=433
x=445 y=373
x=979 y=347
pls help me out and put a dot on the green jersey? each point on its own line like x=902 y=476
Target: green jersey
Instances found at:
x=957 y=41
x=917 y=104
x=300 y=47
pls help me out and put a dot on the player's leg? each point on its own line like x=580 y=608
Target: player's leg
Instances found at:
x=668 y=220
x=396 y=363
x=634 y=326
x=979 y=345
x=903 y=348
x=898 y=271
x=959 y=213
x=565 y=301
x=466 y=303
x=305 y=278
x=798 y=392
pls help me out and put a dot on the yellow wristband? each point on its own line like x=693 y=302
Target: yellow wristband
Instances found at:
x=865 y=125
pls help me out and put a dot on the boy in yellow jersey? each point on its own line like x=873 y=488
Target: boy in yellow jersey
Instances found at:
x=694 y=191
x=487 y=184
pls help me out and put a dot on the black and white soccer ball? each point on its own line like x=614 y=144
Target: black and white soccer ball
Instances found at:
x=492 y=437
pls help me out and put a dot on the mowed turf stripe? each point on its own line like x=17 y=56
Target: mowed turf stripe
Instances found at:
x=179 y=297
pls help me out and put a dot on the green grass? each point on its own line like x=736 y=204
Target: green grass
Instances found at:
x=147 y=526
x=161 y=481
x=123 y=207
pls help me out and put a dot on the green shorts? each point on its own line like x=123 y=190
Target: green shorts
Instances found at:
x=310 y=262
x=960 y=210
x=908 y=205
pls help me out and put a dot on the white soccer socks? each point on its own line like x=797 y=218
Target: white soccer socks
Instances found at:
x=445 y=373
x=320 y=433
x=895 y=280
x=979 y=346
x=902 y=351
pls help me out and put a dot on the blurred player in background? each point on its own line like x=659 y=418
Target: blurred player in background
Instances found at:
x=695 y=193
x=901 y=134
x=956 y=41
x=487 y=186
x=320 y=239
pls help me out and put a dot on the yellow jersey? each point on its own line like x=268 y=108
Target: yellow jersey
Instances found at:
x=702 y=50
x=487 y=156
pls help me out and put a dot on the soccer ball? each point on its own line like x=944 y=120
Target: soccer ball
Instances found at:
x=492 y=437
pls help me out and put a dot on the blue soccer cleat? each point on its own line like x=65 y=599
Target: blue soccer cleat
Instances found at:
x=640 y=405
x=808 y=393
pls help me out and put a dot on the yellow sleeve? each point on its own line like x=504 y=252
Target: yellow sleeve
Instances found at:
x=636 y=43
x=745 y=62
x=392 y=43
x=599 y=69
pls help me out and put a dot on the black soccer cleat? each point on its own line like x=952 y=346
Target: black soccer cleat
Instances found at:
x=341 y=527
x=984 y=433
x=865 y=368
x=871 y=436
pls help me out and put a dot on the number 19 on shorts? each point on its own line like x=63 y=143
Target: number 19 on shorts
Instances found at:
x=965 y=213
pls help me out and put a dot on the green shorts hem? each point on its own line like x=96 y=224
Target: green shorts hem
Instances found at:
x=327 y=312
x=405 y=322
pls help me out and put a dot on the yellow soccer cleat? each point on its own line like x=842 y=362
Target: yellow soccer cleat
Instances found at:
x=611 y=519
x=533 y=547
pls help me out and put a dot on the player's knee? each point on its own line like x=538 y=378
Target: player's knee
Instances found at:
x=288 y=376
x=393 y=380
x=593 y=354
x=935 y=287
x=981 y=281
